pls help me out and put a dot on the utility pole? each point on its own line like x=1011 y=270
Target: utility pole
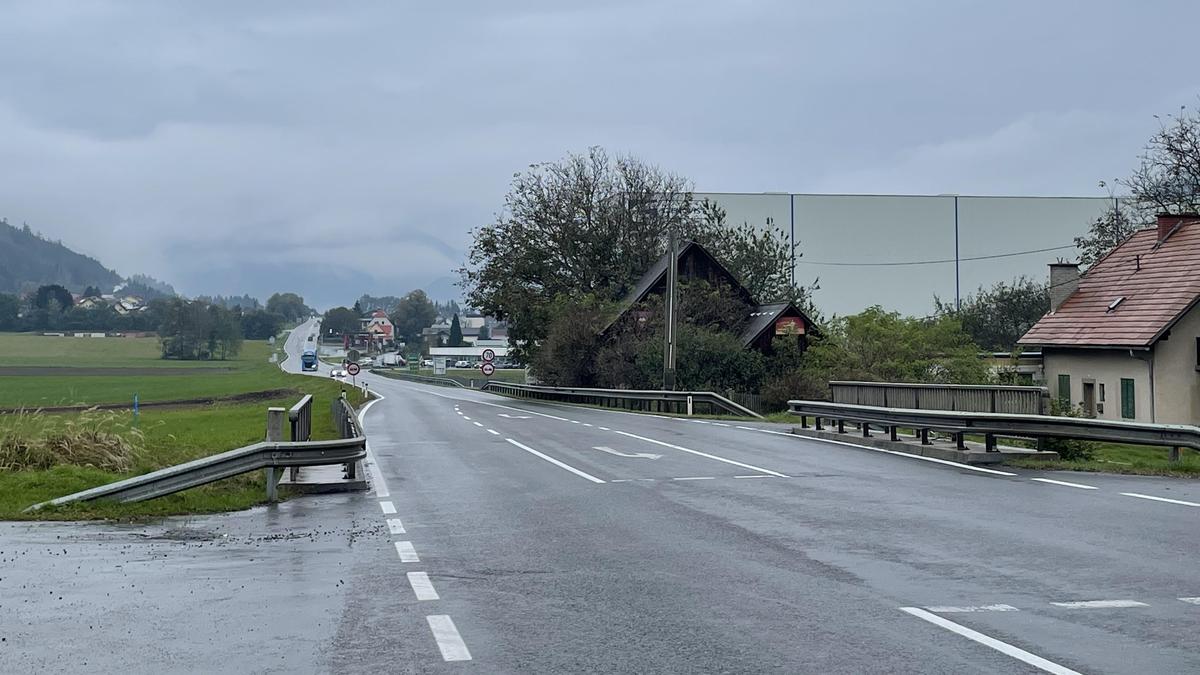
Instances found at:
x=957 y=283
x=672 y=282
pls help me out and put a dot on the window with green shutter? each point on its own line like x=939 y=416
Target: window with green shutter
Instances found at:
x=1127 y=408
x=1064 y=390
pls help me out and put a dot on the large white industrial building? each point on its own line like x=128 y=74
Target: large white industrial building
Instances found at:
x=858 y=229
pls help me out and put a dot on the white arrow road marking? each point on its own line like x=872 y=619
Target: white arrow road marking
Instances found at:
x=618 y=453
x=515 y=417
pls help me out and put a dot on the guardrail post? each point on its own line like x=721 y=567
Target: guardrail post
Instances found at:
x=866 y=429
x=841 y=426
x=989 y=442
x=274 y=434
x=959 y=440
x=689 y=403
x=1174 y=455
x=924 y=437
x=817 y=423
x=804 y=421
x=893 y=433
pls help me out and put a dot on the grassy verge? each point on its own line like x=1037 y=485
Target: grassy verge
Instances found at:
x=1141 y=460
x=163 y=437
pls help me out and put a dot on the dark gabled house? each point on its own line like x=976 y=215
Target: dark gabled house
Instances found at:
x=695 y=263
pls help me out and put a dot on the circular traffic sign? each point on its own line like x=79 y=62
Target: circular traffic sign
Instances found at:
x=487 y=369
x=489 y=355
x=352 y=369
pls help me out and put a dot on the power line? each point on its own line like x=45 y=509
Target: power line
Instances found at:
x=802 y=261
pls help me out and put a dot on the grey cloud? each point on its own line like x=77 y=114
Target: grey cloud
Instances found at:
x=354 y=145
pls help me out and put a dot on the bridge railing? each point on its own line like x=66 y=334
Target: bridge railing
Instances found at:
x=991 y=425
x=675 y=402
x=960 y=397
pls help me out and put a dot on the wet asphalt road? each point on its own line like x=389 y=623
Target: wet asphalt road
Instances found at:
x=552 y=539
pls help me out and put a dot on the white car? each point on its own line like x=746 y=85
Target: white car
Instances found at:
x=462 y=364
x=426 y=363
x=337 y=373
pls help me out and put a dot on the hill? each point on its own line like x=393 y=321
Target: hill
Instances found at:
x=27 y=261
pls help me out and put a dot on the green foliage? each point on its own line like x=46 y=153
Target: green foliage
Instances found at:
x=387 y=303
x=877 y=346
x=193 y=330
x=1108 y=231
x=997 y=317
x=261 y=324
x=456 y=336
x=53 y=298
x=761 y=257
x=485 y=333
x=1069 y=449
x=288 y=305
x=412 y=314
x=247 y=303
x=27 y=261
x=10 y=306
x=568 y=357
x=340 y=321
x=592 y=225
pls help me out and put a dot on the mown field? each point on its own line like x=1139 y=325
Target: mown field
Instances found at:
x=160 y=436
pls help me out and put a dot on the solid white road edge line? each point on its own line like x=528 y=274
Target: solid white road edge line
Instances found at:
x=1160 y=499
x=935 y=460
x=1100 y=604
x=422 y=586
x=380 y=485
x=1065 y=483
x=1194 y=601
x=555 y=462
x=448 y=640
x=406 y=552
x=1002 y=647
x=701 y=454
x=388 y=507
x=395 y=526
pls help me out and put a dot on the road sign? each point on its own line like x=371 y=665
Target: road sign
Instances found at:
x=489 y=355
x=487 y=369
x=352 y=369
x=439 y=366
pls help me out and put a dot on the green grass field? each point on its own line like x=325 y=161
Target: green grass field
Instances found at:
x=136 y=369
x=170 y=436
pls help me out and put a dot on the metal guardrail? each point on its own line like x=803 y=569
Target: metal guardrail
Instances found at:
x=442 y=381
x=300 y=418
x=991 y=425
x=270 y=455
x=960 y=397
x=678 y=402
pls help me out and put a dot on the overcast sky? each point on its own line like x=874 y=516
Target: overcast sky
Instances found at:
x=340 y=148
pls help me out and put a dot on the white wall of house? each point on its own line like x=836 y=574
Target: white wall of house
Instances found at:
x=1101 y=367
x=1176 y=380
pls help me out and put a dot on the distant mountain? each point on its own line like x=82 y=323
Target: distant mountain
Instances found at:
x=27 y=260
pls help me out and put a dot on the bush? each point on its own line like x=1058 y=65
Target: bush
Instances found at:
x=1069 y=449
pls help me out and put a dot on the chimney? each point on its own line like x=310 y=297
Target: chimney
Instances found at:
x=1169 y=222
x=1064 y=279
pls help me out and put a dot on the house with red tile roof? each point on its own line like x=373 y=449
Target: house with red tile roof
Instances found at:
x=1122 y=341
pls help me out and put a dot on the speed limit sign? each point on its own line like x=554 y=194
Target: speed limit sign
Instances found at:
x=489 y=355
x=487 y=369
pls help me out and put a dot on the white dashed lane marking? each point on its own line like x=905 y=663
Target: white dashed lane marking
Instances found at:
x=1065 y=483
x=1100 y=604
x=1160 y=499
x=388 y=507
x=395 y=526
x=422 y=586
x=980 y=608
x=1002 y=647
x=406 y=552
x=493 y=432
x=448 y=640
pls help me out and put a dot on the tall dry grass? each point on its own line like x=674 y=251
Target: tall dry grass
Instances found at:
x=103 y=439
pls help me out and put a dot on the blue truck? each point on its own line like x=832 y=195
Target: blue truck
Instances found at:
x=308 y=360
